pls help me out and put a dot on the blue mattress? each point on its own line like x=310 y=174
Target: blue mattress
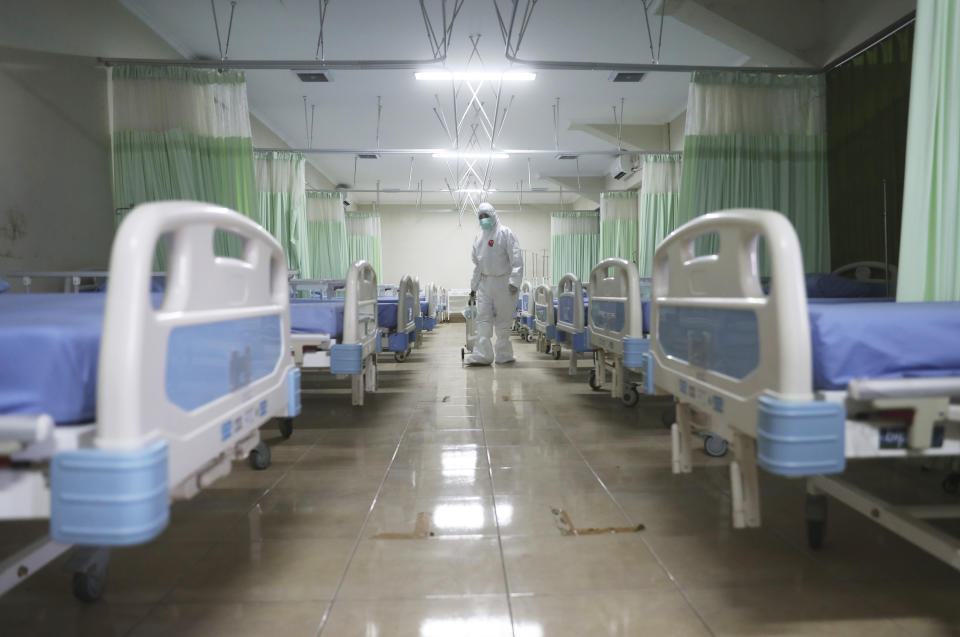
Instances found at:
x=883 y=340
x=49 y=348
x=316 y=316
x=387 y=309
x=831 y=286
x=4 y=286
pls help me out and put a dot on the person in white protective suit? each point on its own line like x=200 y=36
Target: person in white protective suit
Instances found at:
x=497 y=273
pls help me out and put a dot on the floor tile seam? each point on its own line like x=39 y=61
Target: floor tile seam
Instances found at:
x=496 y=519
x=655 y=555
x=359 y=539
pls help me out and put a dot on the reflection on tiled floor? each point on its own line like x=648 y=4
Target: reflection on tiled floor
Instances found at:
x=480 y=502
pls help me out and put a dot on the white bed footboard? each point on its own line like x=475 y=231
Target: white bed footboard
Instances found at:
x=570 y=304
x=408 y=305
x=717 y=340
x=543 y=308
x=616 y=312
x=185 y=381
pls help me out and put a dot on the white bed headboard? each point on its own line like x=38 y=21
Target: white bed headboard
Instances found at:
x=570 y=304
x=615 y=308
x=360 y=304
x=226 y=316
x=712 y=324
x=408 y=300
x=543 y=306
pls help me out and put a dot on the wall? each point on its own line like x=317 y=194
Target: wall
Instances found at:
x=434 y=246
x=677 y=128
x=56 y=210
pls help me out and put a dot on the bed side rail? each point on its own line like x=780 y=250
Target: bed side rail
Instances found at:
x=716 y=338
x=615 y=308
x=570 y=304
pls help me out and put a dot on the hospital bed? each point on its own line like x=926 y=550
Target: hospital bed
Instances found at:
x=317 y=288
x=571 y=322
x=617 y=322
x=443 y=314
x=800 y=388
x=432 y=308
x=113 y=404
x=395 y=318
x=341 y=334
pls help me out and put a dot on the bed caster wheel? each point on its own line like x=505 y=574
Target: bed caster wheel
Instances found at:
x=630 y=397
x=669 y=416
x=556 y=354
x=260 y=456
x=715 y=446
x=530 y=337
x=88 y=586
x=402 y=356
x=285 y=425
x=592 y=380
x=951 y=484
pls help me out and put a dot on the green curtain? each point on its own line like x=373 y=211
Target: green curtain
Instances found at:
x=574 y=243
x=324 y=254
x=618 y=225
x=363 y=238
x=181 y=133
x=283 y=200
x=659 y=197
x=757 y=140
x=867 y=101
x=929 y=267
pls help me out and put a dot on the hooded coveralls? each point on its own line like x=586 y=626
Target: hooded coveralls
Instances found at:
x=498 y=264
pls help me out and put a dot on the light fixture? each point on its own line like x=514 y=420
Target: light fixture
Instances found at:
x=508 y=76
x=476 y=191
x=452 y=154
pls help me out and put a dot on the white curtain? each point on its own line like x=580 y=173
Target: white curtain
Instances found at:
x=758 y=140
x=659 y=194
x=619 y=212
x=281 y=184
x=325 y=255
x=363 y=238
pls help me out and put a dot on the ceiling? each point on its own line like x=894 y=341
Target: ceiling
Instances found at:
x=346 y=108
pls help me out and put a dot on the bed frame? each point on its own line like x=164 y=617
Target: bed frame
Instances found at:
x=327 y=288
x=544 y=318
x=399 y=341
x=181 y=390
x=433 y=306
x=753 y=385
x=615 y=322
x=356 y=354
x=571 y=326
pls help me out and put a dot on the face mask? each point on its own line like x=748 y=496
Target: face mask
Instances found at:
x=486 y=223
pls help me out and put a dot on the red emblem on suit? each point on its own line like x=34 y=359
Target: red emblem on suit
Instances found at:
x=490 y=243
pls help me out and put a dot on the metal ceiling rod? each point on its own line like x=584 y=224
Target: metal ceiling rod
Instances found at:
x=323 y=16
x=420 y=190
x=216 y=26
x=285 y=65
x=379 y=111
x=430 y=151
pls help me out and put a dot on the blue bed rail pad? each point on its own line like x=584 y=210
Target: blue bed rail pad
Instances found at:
x=883 y=340
x=346 y=358
x=801 y=438
x=109 y=498
x=4 y=286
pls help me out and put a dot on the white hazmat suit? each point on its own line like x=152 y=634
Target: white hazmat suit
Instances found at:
x=498 y=265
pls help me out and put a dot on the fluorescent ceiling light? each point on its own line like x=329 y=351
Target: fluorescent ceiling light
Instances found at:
x=476 y=191
x=452 y=154
x=509 y=76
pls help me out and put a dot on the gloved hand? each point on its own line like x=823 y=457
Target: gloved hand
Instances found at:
x=473 y=294
x=513 y=289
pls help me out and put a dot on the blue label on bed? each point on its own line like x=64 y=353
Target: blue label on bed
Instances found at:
x=208 y=361
x=898 y=438
x=608 y=315
x=721 y=340
x=226 y=429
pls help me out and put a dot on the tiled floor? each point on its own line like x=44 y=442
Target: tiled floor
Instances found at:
x=445 y=507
